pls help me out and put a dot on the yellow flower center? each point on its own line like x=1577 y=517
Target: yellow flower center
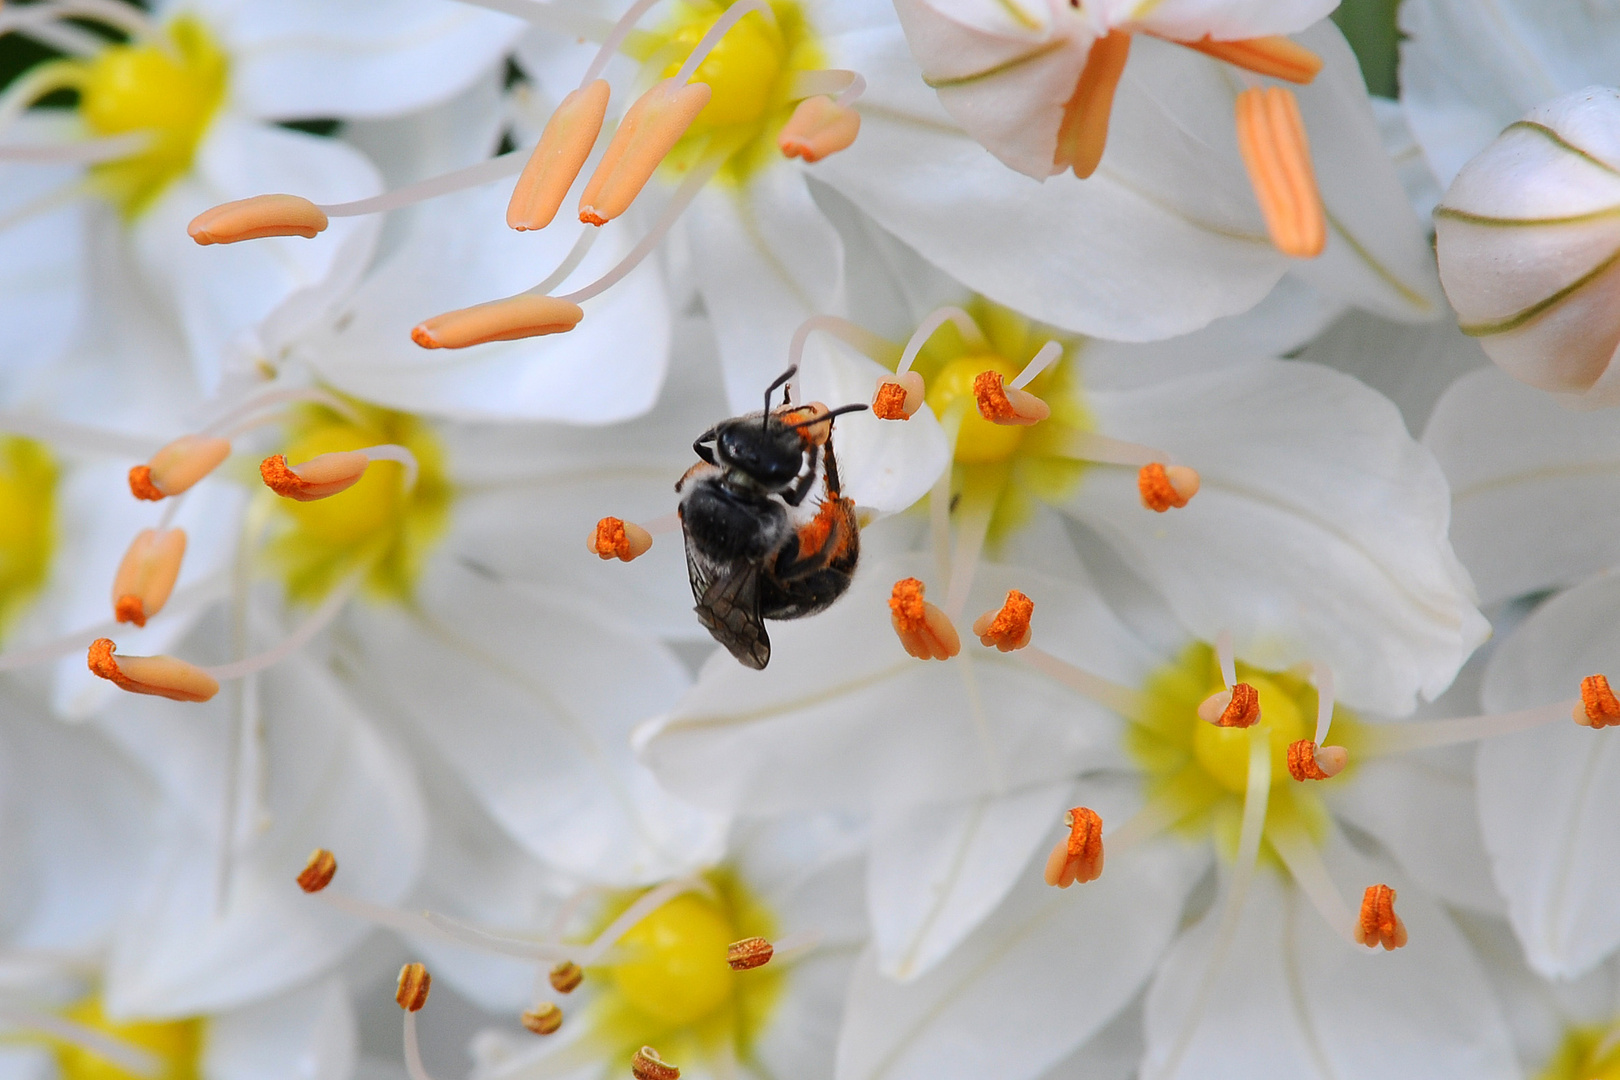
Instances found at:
x=169 y=90
x=177 y=1044
x=1587 y=1053
x=677 y=972
x=742 y=71
x=27 y=522
x=377 y=521
x=978 y=441
x=1224 y=752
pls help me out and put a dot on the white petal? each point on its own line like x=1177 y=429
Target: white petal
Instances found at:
x=309 y=1033
x=1226 y=20
x=460 y=132
x=1049 y=969
x=1534 y=493
x=536 y=719
x=1319 y=532
x=1546 y=797
x=937 y=870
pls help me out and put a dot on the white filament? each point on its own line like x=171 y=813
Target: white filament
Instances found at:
x=868 y=344
x=1304 y=862
x=496 y=168
x=1045 y=358
x=1089 y=446
x=576 y=255
x=314 y=624
x=1223 y=653
x=84 y=152
x=1111 y=695
x=972 y=336
x=1381 y=739
x=129 y=1058
x=413 y=1051
x=615 y=38
x=722 y=26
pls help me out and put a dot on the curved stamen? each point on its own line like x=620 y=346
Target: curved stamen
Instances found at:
x=34 y=84
x=1048 y=355
x=873 y=346
x=1304 y=862
x=616 y=37
x=243 y=412
x=84 y=152
x=848 y=86
x=972 y=336
x=1322 y=679
x=126 y=17
x=1223 y=653
x=722 y=26
x=128 y=1057
x=314 y=624
x=570 y=263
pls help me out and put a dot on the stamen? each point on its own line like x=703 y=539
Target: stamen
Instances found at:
x=326 y=475
x=749 y=953
x=1278 y=57
x=557 y=159
x=924 y=630
x=1165 y=488
x=615 y=538
x=1007 y=405
x=34 y=84
x=646 y=135
x=722 y=26
x=1379 y=740
x=818 y=127
x=1238 y=707
x=412 y=989
x=1110 y=695
x=566 y=977
x=241 y=417
x=147 y=573
x=1277 y=153
x=317 y=874
x=525 y=315
x=314 y=624
x=544 y=1019
x=1079 y=857
x=1007 y=628
x=1225 y=657
x=84 y=152
x=1598 y=708
x=1379 y=925
x=1299 y=854
x=645 y=1064
x=120 y=16
x=972 y=337
x=873 y=346
x=1322 y=679
x=843 y=86
x=132 y=1059
x=1307 y=761
x=177 y=466
x=1084 y=131
x=899 y=397
x=615 y=37
x=1044 y=357
x=256 y=218
x=160 y=676
x=565 y=269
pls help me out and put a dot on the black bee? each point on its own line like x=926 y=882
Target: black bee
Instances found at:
x=748 y=557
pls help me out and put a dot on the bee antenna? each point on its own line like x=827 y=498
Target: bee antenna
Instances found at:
x=781 y=380
x=827 y=418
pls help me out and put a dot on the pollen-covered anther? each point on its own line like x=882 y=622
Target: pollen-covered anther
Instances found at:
x=618 y=539
x=1004 y=405
x=1007 y=628
x=1307 y=761
x=1378 y=924
x=819 y=126
x=1277 y=154
x=160 y=676
x=1166 y=487
x=177 y=466
x=1278 y=57
x=804 y=419
x=146 y=576
x=544 y=1019
x=258 y=217
x=317 y=874
x=1238 y=707
x=649 y=131
x=557 y=159
x=566 y=977
x=645 y=1064
x=411 y=992
x=318 y=478
x=1079 y=856
x=925 y=631
x=512 y=319
x=1598 y=708
x=749 y=953
x=899 y=397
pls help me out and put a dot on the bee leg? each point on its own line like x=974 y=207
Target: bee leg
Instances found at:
x=794 y=495
x=830 y=463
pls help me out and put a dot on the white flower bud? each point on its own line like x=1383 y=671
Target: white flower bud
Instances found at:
x=1528 y=239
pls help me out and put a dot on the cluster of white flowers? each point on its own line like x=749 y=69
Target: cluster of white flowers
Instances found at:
x=352 y=354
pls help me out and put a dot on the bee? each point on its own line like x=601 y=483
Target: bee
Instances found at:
x=749 y=555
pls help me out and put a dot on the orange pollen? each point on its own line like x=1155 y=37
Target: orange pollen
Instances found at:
x=1083 y=135
x=511 y=319
x=749 y=953
x=1277 y=57
x=1243 y=710
x=1079 y=857
x=618 y=539
x=1001 y=405
x=317 y=874
x=906 y=604
x=813 y=434
x=258 y=217
x=813 y=536
x=890 y=402
x=318 y=478
x=412 y=990
x=129 y=609
x=1379 y=925
x=1307 y=761
x=160 y=676
x=819 y=126
x=1277 y=154
x=557 y=159
x=1165 y=488
x=1007 y=628
x=1599 y=707
x=924 y=630
x=141 y=486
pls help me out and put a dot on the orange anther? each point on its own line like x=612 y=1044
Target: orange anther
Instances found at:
x=1238 y=707
x=147 y=574
x=749 y=953
x=544 y=1019
x=141 y=486
x=178 y=466
x=160 y=676
x=317 y=478
x=1598 y=707
x=1083 y=135
x=1003 y=405
x=1007 y=628
x=616 y=539
x=1079 y=856
x=1163 y=488
x=924 y=629
x=804 y=418
x=899 y=396
x=1277 y=154
x=645 y=1064
x=566 y=977
x=1278 y=57
x=412 y=990
x=511 y=319
x=1307 y=761
x=1378 y=924
x=260 y=216
x=649 y=131
x=819 y=126
x=317 y=874
x=557 y=159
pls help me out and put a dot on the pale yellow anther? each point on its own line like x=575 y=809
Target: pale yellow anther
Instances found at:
x=924 y=630
x=544 y=1019
x=1078 y=857
x=1083 y=135
x=615 y=538
x=178 y=466
x=1277 y=154
x=1002 y=404
x=1278 y=57
x=318 y=872
x=818 y=127
x=146 y=576
x=160 y=676
x=899 y=396
x=556 y=161
x=411 y=992
x=523 y=316
x=317 y=478
x=646 y=135
x=260 y=216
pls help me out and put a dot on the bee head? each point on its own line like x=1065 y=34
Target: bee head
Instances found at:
x=771 y=454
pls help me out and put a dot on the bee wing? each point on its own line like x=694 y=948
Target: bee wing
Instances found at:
x=728 y=607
